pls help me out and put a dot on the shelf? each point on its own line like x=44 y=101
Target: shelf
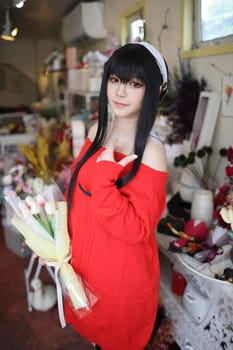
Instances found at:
x=9 y=143
x=84 y=93
x=84 y=100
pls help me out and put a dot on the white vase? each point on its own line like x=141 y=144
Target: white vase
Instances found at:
x=202 y=207
x=187 y=185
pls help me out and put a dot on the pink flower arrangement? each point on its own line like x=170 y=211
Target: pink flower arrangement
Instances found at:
x=17 y=181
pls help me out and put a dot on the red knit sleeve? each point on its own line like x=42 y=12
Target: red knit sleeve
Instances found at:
x=133 y=211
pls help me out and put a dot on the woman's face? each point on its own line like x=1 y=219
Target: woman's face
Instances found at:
x=125 y=99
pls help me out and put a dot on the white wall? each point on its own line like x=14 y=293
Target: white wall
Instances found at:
x=155 y=11
x=26 y=55
x=29 y=56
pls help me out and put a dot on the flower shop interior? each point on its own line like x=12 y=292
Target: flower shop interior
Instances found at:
x=50 y=75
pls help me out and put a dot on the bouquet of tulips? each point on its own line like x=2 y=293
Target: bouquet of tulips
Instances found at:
x=42 y=220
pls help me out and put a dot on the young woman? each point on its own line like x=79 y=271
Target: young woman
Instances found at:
x=116 y=197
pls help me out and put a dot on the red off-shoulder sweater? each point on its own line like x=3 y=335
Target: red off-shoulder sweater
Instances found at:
x=114 y=250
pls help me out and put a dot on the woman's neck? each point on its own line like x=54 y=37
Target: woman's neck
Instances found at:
x=123 y=127
x=124 y=131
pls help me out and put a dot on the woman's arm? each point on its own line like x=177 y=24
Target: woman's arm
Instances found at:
x=131 y=213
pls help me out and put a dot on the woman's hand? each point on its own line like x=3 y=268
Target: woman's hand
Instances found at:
x=108 y=154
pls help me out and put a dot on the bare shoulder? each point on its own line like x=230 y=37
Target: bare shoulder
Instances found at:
x=155 y=155
x=92 y=131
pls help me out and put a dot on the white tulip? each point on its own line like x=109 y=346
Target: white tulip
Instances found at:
x=35 y=209
x=29 y=200
x=24 y=209
x=50 y=208
x=40 y=200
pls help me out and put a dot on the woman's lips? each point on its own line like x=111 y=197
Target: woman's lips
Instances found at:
x=119 y=104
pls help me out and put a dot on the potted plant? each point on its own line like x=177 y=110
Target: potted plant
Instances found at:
x=196 y=170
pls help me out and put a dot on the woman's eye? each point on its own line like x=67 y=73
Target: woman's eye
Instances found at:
x=114 y=79
x=136 y=84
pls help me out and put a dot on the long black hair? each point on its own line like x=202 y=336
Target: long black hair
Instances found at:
x=127 y=62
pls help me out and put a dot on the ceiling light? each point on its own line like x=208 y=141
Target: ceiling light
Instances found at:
x=14 y=31
x=8 y=32
x=19 y=3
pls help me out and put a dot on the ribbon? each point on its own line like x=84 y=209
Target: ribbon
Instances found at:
x=57 y=265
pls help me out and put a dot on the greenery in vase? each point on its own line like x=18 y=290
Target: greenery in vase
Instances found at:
x=197 y=163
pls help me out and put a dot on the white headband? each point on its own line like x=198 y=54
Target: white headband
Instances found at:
x=159 y=59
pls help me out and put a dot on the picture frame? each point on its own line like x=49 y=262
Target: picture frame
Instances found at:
x=227 y=95
x=205 y=119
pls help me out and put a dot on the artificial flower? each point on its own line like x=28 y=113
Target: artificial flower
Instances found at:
x=223 y=198
x=17 y=180
x=229 y=171
x=52 y=151
x=227 y=215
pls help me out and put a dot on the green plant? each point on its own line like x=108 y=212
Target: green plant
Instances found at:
x=197 y=163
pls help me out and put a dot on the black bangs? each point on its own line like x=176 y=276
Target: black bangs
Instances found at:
x=134 y=61
x=128 y=62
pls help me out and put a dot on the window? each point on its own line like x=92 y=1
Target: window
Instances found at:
x=136 y=29
x=207 y=27
x=213 y=22
x=133 y=23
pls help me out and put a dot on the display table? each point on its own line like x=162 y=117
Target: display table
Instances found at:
x=9 y=143
x=212 y=328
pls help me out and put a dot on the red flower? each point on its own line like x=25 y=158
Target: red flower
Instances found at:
x=230 y=154
x=224 y=194
x=219 y=199
x=229 y=170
